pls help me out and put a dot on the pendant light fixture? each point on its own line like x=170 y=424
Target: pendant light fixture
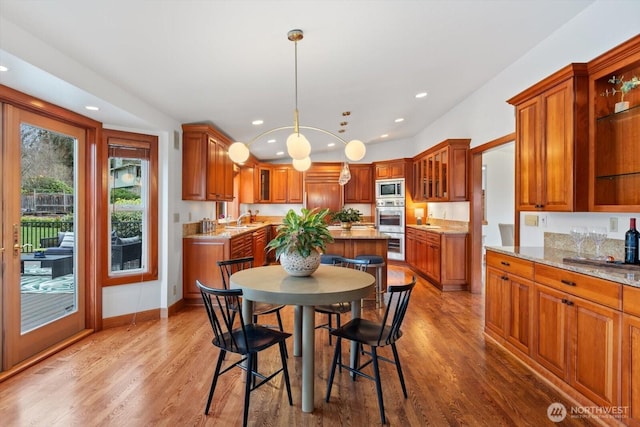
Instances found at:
x=298 y=147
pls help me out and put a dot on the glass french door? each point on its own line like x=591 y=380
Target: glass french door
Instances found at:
x=43 y=222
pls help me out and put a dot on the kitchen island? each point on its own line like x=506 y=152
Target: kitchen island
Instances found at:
x=361 y=241
x=201 y=251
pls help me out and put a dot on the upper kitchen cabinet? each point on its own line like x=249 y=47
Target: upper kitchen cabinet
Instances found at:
x=359 y=189
x=614 y=172
x=390 y=169
x=286 y=185
x=552 y=142
x=207 y=171
x=440 y=173
x=256 y=182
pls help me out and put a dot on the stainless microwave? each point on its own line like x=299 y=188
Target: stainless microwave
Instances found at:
x=386 y=188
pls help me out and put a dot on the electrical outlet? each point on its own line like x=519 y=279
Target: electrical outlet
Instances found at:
x=176 y=217
x=543 y=221
x=175 y=290
x=613 y=224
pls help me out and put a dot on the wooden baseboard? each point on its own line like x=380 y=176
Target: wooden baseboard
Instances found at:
x=130 y=318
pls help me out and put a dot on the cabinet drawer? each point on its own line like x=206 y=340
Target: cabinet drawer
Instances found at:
x=519 y=267
x=432 y=238
x=631 y=300
x=588 y=287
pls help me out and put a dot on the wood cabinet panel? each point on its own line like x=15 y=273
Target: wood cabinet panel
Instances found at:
x=390 y=169
x=519 y=331
x=551 y=131
x=509 y=301
x=551 y=330
x=360 y=188
x=495 y=313
x=631 y=369
x=259 y=241
x=440 y=173
x=596 y=333
x=207 y=171
x=589 y=287
x=199 y=258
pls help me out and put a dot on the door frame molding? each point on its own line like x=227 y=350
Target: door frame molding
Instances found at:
x=475 y=211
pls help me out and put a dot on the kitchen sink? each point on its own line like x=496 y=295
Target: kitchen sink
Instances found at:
x=430 y=227
x=236 y=227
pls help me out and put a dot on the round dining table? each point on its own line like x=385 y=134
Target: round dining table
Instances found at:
x=327 y=285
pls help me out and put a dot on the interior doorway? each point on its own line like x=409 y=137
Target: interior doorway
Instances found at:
x=484 y=219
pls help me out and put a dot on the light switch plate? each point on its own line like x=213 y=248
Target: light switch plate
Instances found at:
x=613 y=224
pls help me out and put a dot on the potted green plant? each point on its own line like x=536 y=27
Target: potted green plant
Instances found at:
x=300 y=239
x=346 y=216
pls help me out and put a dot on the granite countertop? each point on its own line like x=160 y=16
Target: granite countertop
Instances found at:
x=556 y=258
x=223 y=232
x=360 y=234
x=440 y=229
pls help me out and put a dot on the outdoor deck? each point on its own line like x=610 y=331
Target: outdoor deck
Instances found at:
x=44 y=299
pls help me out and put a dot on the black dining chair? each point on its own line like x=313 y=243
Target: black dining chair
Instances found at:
x=232 y=335
x=228 y=267
x=375 y=334
x=342 y=307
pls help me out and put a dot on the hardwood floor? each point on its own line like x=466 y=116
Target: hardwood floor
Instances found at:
x=157 y=373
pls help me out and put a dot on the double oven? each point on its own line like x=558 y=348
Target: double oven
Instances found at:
x=390 y=213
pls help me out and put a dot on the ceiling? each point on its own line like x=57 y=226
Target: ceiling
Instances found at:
x=229 y=62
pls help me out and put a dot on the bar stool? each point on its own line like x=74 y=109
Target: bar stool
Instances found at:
x=377 y=262
x=330 y=259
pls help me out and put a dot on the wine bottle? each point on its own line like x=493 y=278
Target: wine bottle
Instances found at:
x=631 y=243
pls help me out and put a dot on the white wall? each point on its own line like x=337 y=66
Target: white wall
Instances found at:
x=485 y=115
x=500 y=191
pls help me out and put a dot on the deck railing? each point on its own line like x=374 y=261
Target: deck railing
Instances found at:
x=33 y=234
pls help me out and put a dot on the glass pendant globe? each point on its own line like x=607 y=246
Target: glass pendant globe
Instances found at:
x=238 y=152
x=298 y=147
x=355 y=150
x=302 y=164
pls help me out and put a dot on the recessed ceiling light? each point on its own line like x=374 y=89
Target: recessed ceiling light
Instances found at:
x=257 y=122
x=331 y=144
x=421 y=95
x=271 y=141
x=279 y=153
x=3 y=68
x=91 y=107
x=400 y=119
x=384 y=135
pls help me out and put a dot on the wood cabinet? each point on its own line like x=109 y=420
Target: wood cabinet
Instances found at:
x=199 y=256
x=631 y=354
x=578 y=340
x=509 y=299
x=321 y=186
x=390 y=169
x=286 y=185
x=441 y=258
x=360 y=188
x=614 y=173
x=207 y=171
x=551 y=142
x=259 y=241
x=241 y=246
x=440 y=173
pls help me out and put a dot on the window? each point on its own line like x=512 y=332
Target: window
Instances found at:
x=130 y=222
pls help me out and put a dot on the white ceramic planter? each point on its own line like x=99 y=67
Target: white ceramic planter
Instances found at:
x=297 y=265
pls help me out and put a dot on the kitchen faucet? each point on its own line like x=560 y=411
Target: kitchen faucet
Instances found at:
x=239 y=222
